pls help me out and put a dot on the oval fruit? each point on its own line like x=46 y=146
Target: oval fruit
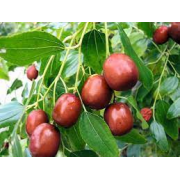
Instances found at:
x=34 y=119
x=119 y=118
x=67 y=110
x=120 y=72
x=174 y=31
x=44 y=141
x=161 y=35
x=32 y=72
x=96 y=93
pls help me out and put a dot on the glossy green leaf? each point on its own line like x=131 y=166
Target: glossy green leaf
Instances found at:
x=16 y=147
x=158 y=133
x=170 y=126
x=168 y=86
x=28 y=47
x=147 y=27
x=72 y=139
x=15 y=85
x=97 y=135
x=174 y=110
x=176 y=94
x=133 y=137
x=93 y=48
x=10 y=113
x=71 y=64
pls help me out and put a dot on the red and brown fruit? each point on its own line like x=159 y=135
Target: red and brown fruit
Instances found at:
x=96 y=93
x=146 y=113
x=45 y=141
x=161 y=35
x=67 y=110
x=174 y=31
x=119 y=118
x=32 y=72
x=120 y=72
x=34 y=119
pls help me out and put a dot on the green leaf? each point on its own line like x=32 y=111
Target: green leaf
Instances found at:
x=16 y=147
x=72 y=139
x=15 y=85
x=4 y=134
x=139 y=43
x=146 y=76
x=93 y=48
x=133 y=137
x=83 y=153
x=174 y=110
x=171 y=127
x=176 y=94
x=25 y=48
x=10 y=113
x=142 y=93
x=158 y=133
x=3 y=74
x=168 y=86
x=97 y=135
x=71 y=64
x=147 y=27
x=133 y=103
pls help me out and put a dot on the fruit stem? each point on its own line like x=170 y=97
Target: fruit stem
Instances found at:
x=82 y=36
x=107 y=41
x=81 y=101
x=43 y=76
x=77 y=74
x=159 y=83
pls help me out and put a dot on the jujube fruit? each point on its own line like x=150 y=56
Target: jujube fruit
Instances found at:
x=45 y=141
x=32 y=72
x=146 y=113
x=119 y=118
x=96 y=93
x=161 y=35
x=120 y=72
x=174 y=31
x=67 y=110
x=34 y=119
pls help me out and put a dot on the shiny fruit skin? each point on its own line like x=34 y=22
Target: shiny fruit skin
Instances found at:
x=96 y=93
x=119 y=118
x=146 y=113
x=44 y=141
x=67 y=110
x=161 y=35
x=32 y=72
x=34 y=119
x=120 y=72
x=174 y=31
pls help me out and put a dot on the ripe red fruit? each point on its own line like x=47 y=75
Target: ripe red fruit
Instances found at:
x=32 y=72
x=160 y=35
x=44 y=141
x=34 y=119
x=119 y=118
x=67 y=110
x=120 y=72
x=96 y=93
x=174 y=31
x=146 y=113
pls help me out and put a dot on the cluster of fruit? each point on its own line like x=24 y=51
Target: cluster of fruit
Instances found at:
x=120 y=74
x=163 y=33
